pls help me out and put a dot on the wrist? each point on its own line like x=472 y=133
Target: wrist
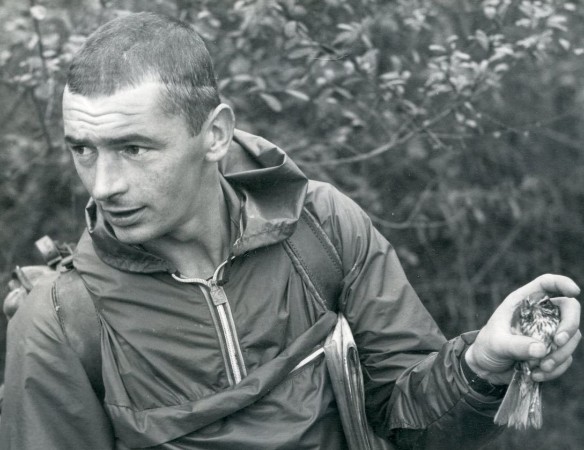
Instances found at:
x=470 y=360
x=478 y=379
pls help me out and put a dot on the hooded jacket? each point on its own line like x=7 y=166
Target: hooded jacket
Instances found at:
x=197 y=364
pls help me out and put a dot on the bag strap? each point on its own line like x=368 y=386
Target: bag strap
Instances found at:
x=316 y=259
x=80 y=323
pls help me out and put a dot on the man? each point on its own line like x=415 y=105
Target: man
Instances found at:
x=203 y=319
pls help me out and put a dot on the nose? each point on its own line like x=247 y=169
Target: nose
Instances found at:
x=109 y=181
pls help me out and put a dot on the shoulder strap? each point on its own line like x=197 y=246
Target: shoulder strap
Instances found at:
x=80 y=324
x=316 y=259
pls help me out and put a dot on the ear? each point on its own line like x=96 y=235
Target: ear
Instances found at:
x=219 y=129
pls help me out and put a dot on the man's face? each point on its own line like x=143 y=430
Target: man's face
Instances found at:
x=143 y=167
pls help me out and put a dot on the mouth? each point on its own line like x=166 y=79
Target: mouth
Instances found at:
x=123 y=217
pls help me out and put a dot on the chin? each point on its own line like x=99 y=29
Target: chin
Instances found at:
x=134 y=236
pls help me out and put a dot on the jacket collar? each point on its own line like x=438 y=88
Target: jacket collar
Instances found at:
x=264 y=191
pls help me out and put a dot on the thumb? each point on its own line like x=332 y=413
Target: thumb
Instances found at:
x=522 y=348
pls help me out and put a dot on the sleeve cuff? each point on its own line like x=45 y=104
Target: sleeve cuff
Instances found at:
x=478 y=384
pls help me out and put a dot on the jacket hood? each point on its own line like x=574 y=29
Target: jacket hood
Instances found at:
x=264 y=191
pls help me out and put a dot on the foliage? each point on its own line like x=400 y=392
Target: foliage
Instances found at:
x=454 y=123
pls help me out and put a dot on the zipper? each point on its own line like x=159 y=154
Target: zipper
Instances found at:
x=220 y=301
x=226 y=324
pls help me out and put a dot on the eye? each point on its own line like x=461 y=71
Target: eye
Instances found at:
x=80 y=150
x=547 y=305
x=133 y=150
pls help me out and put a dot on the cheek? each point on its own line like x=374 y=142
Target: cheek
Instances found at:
x=85 y=175
x=170 y=183
x=165 y=189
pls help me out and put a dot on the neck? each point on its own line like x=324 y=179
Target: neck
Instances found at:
x=203 y=243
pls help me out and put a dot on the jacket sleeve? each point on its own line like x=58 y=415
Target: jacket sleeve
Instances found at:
x=415 y=390
x=48 y=400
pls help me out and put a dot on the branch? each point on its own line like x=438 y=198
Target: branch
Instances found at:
x=480 y=275
x=40 y=45
x=394 y=142
x=42 y=121
x=407 y=224
x=12 y=108
x=530 y=126
x=560 y=138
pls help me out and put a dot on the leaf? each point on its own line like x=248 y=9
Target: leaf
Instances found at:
x=273 y=103
x=461 y=55
x=346 y=37
x=297 y=94
x=345 y=26
x=260 y=83
x=290 y=29
x=301 y=53
x=243 y=77
x=565 y=44
x=482 y=39
x=343 y=92
x=223 y=83
x=436 y=48
x=558 y=22
x=38 y=12
x=388 y=76
x=367 y=41
x=490 y=12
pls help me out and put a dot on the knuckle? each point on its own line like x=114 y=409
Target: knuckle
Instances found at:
x=546 y=277
x=573 y=303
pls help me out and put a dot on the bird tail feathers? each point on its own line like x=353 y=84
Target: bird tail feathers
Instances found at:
x=521 y=406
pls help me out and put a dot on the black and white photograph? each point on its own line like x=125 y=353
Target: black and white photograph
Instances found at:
x=291 y=224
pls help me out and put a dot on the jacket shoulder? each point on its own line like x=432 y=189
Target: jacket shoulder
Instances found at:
x=36 y=315
x=324 y=200
x=340 y=217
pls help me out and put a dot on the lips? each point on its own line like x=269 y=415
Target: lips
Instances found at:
x=123 y=217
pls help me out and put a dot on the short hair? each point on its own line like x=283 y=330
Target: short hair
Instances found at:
x=131 y=49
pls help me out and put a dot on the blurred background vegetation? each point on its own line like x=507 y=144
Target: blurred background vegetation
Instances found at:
x=456 y=124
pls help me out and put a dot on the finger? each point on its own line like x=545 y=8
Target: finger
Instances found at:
x=570 y=314
x=549 y=283
x=558 y=284
x=561 y=354
x=539 y=375
x=522 y=348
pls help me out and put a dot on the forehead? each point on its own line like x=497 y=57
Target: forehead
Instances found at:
x=146 y=94
x=131 y=107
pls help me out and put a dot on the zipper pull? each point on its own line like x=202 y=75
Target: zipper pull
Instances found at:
x=217 y=293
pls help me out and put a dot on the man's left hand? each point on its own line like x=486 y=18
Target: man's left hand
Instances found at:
x=497 y=349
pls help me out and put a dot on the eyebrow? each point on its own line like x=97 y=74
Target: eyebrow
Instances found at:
x=116 y=141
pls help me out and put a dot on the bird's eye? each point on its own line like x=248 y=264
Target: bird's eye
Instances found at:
x=547 y=305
